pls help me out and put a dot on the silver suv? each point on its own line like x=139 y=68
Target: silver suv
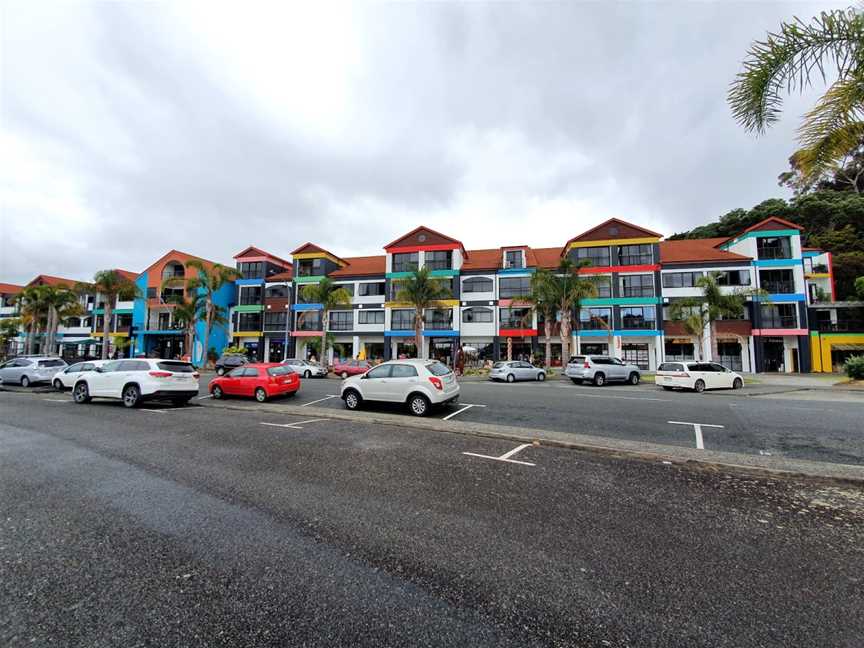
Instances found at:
x=29 y=370
x=599 y=370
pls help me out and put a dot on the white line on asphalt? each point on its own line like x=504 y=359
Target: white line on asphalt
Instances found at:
x=155 y=411
x=582 y=395
x=506 y=456
x=57 y=400
x=697 y=430
x=459 y=411
x=203 y=397
x=319 y=400
x=295 y=426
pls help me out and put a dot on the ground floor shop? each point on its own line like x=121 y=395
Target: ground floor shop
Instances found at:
x=829 y=351
x=734 y=353
x=782 y=353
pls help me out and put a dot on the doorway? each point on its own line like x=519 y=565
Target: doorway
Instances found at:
x=774 y=349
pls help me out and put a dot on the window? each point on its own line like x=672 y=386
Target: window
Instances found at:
x=777 y=281
x=603 y=286
x=405 y=261
x=593 y=319
x=516 y=318
x=75 y=368
x=341 y=320
x=151 y=293
x=678 y=351
x=371 y=289
x=779 y=316
x=124 y=321
x=275 y=320
x=598 y=256
x=774 y=247
x=403 y=371
x=250 y=295
x=402 y=319
x=250 y=372
x=284 y=370
x=635 y=254
x=52 y=363
x=277 y=291
x=636 y=354
x=637 y=285
x=348 y=287
x=248 y=321
x=309 y=321
x=680 y=279
x=133 y=365
x=253 y=270
x=638 y=317
x=439 y=260
x=591 y=349
x=310 y=267
x=509 y=287
x=176 y=367
x=476 y=315
x=730 y=355
x=513 y=259
x=438 y=369
x=732 y=277
x=370 y=316
x=478 y=285
x=439 y=319
x=237 y=373
x=382 y=371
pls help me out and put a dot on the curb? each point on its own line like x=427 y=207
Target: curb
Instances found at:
x=754 y=465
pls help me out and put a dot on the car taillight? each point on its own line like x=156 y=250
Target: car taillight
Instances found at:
x=436 y=382
x=587 y=365
x=196 y=375
x=160 y=374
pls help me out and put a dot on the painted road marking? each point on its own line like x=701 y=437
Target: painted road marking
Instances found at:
x=506 y=456
x=203 y=397
x=155 y=411
x=57 y=400
x=697 y=430
x=319 y=400
x=584 y=395
x=467 y=406
x=296 y=425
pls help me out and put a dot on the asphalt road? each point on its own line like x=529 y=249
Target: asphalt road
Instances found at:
x=820 y=428
x=209 y=527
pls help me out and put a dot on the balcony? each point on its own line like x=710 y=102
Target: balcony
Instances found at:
x=780 y=322
x=819 y=269
x=593 y=325
x=774 y=253
x=779 y=287
x=341 y=325
x=848 y=326
x=635 y=259
x=439 y=325
x=436 y=265
x=638 y=324
x=637 y=291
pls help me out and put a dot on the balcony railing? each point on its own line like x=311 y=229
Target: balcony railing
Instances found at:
x=341 y=325
x=515 y=323
x=779 y=287
x=439 y=325
x=851 y=326
x=635 y=259
x=780 y=322
x=638 y=324
x=593 y=325
x=774 y=253
x=637 y=291
x=437 y=265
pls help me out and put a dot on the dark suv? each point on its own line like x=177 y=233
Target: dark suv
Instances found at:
x=230 y=361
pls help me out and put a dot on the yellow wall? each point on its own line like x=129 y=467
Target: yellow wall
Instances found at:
x=820 y=348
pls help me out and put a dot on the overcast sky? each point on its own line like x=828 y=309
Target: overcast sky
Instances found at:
x=130 y=129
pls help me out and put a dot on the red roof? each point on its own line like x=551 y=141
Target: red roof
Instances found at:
x=482 y=260
x=307 y=248
x=128 y=274
x=428 y=230
x=630 y=231
x=547 y=257
x=691 y=250
x=48 y=280
x=10 y=289
x=288 y=275
x=761 y=224
x=258 y=252
x=362 y=266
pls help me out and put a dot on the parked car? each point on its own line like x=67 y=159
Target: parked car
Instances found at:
x=65 y=378
x=139 y=380
x=420 y=384
x=30 y=370
x=697 y=376
x=305 y=368
x=351 y=367
x=599 y=370
x=261 y=380
x=514 y=370
x=227 y=362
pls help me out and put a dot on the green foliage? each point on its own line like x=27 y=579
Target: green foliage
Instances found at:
x=859 y=288
x=847 y=268
x=231 y=350
x=854 y=367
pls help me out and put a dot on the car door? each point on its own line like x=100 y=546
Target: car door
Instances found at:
x=721 y=377
x=524 y=371
x=9 y=371
x=69 y=375
x=99 y=382
x=231 y=381
x=402 y=381
x=250 y=380
x=375 y=384
x=617 y=369
x=697 y=371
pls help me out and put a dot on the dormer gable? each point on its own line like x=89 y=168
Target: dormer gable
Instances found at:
x=612 y=231
x=424 y=238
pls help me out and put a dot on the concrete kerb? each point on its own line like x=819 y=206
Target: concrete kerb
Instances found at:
x=755 y=465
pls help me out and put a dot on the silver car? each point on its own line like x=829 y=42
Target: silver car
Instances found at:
x=600 y=370
x=30 y=370
x=513 y=370
x=305 y=368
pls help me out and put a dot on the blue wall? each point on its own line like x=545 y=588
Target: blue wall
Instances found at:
x=139 y=314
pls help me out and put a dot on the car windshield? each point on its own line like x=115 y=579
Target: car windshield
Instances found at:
x=498 y=365
x=669 y=366
x=576 y=359
x=52 y=363
x=438 y=369
x=279 y=371
x=176 y=367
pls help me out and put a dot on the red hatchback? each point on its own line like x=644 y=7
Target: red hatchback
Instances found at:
x=351 y=367
x=261 y=380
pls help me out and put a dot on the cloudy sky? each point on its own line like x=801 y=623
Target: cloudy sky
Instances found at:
x=128 y=129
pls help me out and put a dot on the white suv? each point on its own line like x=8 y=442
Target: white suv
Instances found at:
x=420 y=384
x=134 y=381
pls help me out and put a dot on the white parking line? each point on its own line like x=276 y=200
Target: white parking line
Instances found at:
x=697 y=430
x=296 y=425
x=462 y=409
x=57 y=400
x=203 y=397
x=583 y=395
x=506 y=456
x=319 y=400
x=155 y=411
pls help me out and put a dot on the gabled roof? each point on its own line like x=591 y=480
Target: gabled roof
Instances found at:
x=10 y=289
x=128 y=274
x=48 y=280
x=311 y=248
x=695 y=250
x=609 y=230
x=258 y=252
x=288 y=275
x=423 y=235
x=364 y=266
x=180 y=256
x=482 y=260
x=766 y=225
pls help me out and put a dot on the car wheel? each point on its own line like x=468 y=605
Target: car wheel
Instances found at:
x=419 y=405
x=699 y=386
x=308 y=374
x=58 y=385
x=599 y=379
x=667 y=388
x=737 y=383
x=217 y=392
x=576 y=381
x=131 y=395
x=344 y=375
x=511 y=378
x=81 y=394
x=352 y=399
x=25 y=381
x=220 y=371
x=541 y=376
x=260 y=395
x=634 y=378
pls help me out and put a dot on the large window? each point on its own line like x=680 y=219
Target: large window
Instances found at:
x=248 y=321
x=513 y=259
x=774 y=247
x=310 y=267
x=370 y=316
x=598 y=256
x=275 y=321
x=439 y=319
x=779 y=316
x=347 y=287
x=309 y=321
x=635 y=254
x=277 y=291
x=595 y=319
x=477 y=315
x=478 y=285
x=638 y=317
x=253 y=270
x=777 y=281
x=123 y=321
x=729 y=355
x=732 y=277
x=341 y=320
x=680 y=279
x=438 y=260
x=678 y=351
x=603 y=285
x=636 y=354
x=637 y=285
x=250 y=295
x=509 y=287
x=371 y=289
x=402 y=319
x=405 y=261
x=516 y=318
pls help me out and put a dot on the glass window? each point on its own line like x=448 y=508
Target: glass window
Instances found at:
x=52 y=363
x=370 y=289
x=370 y=316
x=250 y=295
x=403 y=371
x=381 y=371
x=477 y=315
x=779 y=316
x=595 y=319
x=598 y=256
x=348 y=287
x=635 y=354
x=638 y=317
x=637 y=285
x=516 y=318
x=729 y=355
x=237 y=373
x=678 y=351
x=438 y=260
x=88 y=366
x=251 y=270
x=277 y=320
x=75 y=368
x=341 y=320
x=774 y=247
x=250 y=372
x=680 y=279
x=405 y=261
x=733 y=277
x=176 y=367
x=777 y=281
x=133 y=365
x=513 y=259
x=276 y=291
x=438 y=369
x=671 y=366
x=478 y=284
x=248 y=321
x=282 y=370
x=509 y=287
x=439 y=319
x=309 y=321
x=636 y=254
x=402 y=319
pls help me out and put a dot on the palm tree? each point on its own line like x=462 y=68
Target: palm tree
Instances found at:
x=187 y=312
x=566 y=289
x=329 y=296
x=109 y=286
x=421 y=290
x=544 y=302
x=9 y=328
x=788 y=60
x=207 y=283
x=62 y=304
x=33 y=303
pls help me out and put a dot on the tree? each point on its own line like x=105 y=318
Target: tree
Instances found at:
x=788 y=61
x=109 y=286
x=329 y=296
x=846 y=175
x=9 y=328
x=61 y=304
x=33 y=306
x=543 y=299
x=187 y=311
x=859 y=288
x=421 y=290
x=207 y=283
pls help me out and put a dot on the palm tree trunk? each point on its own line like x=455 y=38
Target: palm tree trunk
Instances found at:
x=208 y=324
x=547 y=331
x=565 y=333
x=418 y=333
x=106 y=324
x=50 y=329
x=714 y=348
x=31 y=334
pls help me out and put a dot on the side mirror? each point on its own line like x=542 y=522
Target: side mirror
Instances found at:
x=363 y=377
x=99 y=370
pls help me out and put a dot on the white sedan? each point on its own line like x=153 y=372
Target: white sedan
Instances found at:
x=419 y=384
x=65 y=379
x=697 y=376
